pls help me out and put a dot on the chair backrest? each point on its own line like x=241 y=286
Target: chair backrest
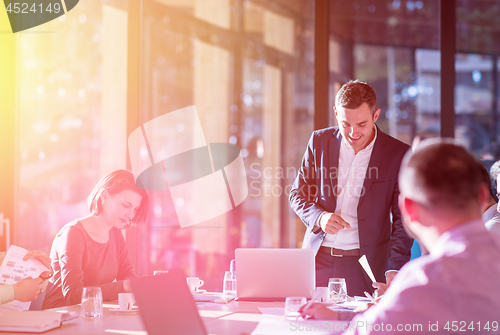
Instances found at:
x=36 y=305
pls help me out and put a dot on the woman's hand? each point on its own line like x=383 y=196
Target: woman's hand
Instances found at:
x=27 y=289
x=44 y=276
x=41 y=256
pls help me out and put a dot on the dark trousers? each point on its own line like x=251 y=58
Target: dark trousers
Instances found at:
x=328 y=266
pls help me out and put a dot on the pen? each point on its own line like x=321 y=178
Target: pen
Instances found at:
x=313 y=299
x=370 y=297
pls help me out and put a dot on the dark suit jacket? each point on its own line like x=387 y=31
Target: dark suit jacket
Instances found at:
x=385 y=244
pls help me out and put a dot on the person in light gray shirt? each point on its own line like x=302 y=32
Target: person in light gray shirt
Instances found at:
x=495 y=174
x=491 y=217
x=441 y=200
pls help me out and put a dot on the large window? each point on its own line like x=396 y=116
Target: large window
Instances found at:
x=247 y=67
x=476 y=81
x=71 y=117
x=394 y=47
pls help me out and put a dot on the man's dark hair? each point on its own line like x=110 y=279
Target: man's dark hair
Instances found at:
x=441 y=174
x=485 y=177
x=354 y=93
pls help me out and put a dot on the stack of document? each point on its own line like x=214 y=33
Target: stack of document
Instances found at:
x=32 y=321
x=207 y=297
x=351 y=305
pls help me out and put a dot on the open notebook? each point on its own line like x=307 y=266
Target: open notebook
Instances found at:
x=32 y=321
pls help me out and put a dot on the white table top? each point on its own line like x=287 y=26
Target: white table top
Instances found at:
x=232 y=318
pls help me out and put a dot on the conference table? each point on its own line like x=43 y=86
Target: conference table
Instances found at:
x=232 y=318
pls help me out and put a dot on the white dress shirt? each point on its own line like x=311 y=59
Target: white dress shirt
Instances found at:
x=351 y=175
x=456 y=284
x=491 y=219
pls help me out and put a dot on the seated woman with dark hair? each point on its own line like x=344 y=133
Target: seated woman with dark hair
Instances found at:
x=92 y=251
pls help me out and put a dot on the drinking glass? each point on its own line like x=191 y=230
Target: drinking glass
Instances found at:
x=292 y=306
x=338 y=290
x=91 y=302
x=229 y=288
x=323 y=294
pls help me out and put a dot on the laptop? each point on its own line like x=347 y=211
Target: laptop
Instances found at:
x=166 y=305
x=274 y=274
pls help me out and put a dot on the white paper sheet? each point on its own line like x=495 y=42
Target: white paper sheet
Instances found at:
x=351 y=305
x=364 y=263
x=272 y=311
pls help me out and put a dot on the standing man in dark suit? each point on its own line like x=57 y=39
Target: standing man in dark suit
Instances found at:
x=346 y=193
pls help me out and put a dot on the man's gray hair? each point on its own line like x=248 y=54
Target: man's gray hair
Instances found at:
x=441 y=173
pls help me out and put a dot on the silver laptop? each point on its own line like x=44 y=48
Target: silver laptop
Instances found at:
x=166 y=305
x=274 y=274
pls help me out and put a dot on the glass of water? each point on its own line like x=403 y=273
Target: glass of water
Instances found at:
x=338 y=290
x=91 y=302
x=292 y=306
x=229 y=289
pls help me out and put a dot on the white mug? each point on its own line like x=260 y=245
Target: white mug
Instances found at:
x=194 y=283
x=126 y=301
x=323 y=294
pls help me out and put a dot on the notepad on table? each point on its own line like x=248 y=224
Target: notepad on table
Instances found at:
x=32 y=321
